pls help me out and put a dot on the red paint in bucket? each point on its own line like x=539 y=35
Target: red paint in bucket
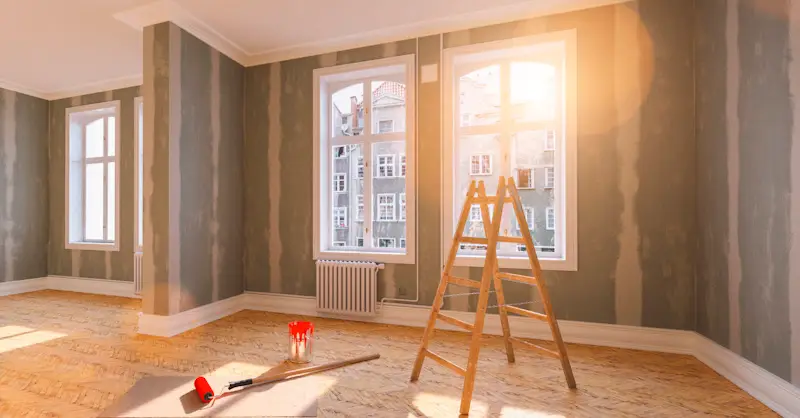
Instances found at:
x=301 y=333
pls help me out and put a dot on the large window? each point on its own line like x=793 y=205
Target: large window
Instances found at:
x=364 y=116
x=92 y=206
x=510 y=111
x=138 y=117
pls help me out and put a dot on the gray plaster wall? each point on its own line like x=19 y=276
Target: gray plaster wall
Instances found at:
x=636 y=168
x=112 y=265
x=23 y=186
x=197 y=120
x=748 y=143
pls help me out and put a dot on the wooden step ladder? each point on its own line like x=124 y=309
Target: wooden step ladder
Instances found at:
x=476 y=195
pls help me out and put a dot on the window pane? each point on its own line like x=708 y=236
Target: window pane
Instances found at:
x=388 y=107
x=387 y=185
x=347 y=228
x=140 y=233
x=111 y=197
x=479 y=99
x=348 y=111
x=111 y=127
x=533 y=92
x=93 y=221
x=94 y=139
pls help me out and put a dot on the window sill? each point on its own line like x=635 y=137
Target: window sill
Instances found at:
x=376 y=257
x=554 y=264
x=93 y=246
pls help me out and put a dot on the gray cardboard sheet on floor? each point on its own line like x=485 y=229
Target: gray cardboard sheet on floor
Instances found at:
x=175 y=396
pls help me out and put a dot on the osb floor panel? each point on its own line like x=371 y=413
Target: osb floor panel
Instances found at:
x=70 y=354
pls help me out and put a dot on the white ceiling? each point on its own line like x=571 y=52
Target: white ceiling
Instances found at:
x=60 y=48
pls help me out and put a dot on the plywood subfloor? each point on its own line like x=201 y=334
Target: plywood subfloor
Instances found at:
x=69 y=354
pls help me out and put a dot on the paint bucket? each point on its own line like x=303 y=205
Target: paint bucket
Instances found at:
x=301 y=338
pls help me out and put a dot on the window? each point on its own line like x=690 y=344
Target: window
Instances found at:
x=385 y=166
x=528 y=218
x=386 y=242
x=344 y=122
x=475 y=213
x=510 y=110
x=340 y=218
x=550 y=177
x=340 y=182
x=92 y=206
x=339 y=243
x=385 y=126
x=402 y=206
x=481 y=165
x=525 y=178
x=402 y=243
x=378 y=100
x=138 y=117
x=360 y=207
x=550 y=141
x=386 y=206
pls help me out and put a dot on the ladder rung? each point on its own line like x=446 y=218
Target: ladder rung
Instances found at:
x=445 y=363
x=456 y=322
x=525 y=312
x=545 y=351
x=463 y=282
x=514 y=240
x=474 y=240
x=517 y=278
x=489 y=200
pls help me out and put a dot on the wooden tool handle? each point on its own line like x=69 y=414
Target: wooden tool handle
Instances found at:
x=311 y=370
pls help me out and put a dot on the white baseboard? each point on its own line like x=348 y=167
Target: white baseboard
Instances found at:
x=23 y=286
x=168 y=326
x=70 y=284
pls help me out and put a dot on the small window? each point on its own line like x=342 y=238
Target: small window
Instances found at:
x=528 y=218
x=525 y=178
x=550 y=178
x=338 y=243
x=547 y=249
x=475 y=213
x=385 y=126
x=344 y=120
x=402 y=207
x=386 y=207
x=466 y=118
x=385 y=166
x=339 y=218
x=360 y=167
x=551 y=219
x=521 y=248
x=402 y=243
x=340 y=182
x=360 y=210
x=386 y=243
x=550 y=141
x=340 y=152
x=480 y=165
x=402 y=165
x=359 y=242
x=472 y=247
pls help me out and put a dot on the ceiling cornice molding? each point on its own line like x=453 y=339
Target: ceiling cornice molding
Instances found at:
x=8 y=85
x=168 y=11
x=97 y=87
x=524 y=10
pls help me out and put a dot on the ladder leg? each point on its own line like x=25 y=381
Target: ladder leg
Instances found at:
x=437 y=303
x=501 y=300
x=475 y=345
x=551 y=319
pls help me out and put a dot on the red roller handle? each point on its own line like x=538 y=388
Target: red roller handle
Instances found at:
x=203 y=389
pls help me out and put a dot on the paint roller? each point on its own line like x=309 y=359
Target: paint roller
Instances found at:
x=206 y=394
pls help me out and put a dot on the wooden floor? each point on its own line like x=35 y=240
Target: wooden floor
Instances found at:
x=69 y=354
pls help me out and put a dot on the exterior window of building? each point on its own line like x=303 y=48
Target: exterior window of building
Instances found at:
x=363 y=120
x=510 y=110
x=339 y=243
x=475 y=214
x=402 y=243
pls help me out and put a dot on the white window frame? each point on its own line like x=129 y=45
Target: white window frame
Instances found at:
x=549 y=177
x=402 y=165
x=530 y=218
x=481 y=165
x=378 y=126
x=74 y=206
x=138 y=136
x=343 y=211
x=388 y=163
x=379 y=205
x=550 y=219
x=330 y=79
x=402 y=206
x=565 y=194
x=531 y=179
x=336 y=181
x=360 y=208
x=550 y=140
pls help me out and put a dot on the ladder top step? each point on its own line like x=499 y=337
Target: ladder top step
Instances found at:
x=517 y=278
x=489 y=200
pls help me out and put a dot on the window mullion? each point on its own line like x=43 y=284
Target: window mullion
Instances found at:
x=368 y=175
x=105 y=178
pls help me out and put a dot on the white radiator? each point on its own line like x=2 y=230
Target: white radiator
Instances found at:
x=347 y=287
x=137 y=273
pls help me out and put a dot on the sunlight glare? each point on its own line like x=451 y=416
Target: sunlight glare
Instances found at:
x=27 y=340
x=440 y=405
x=10 y=330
